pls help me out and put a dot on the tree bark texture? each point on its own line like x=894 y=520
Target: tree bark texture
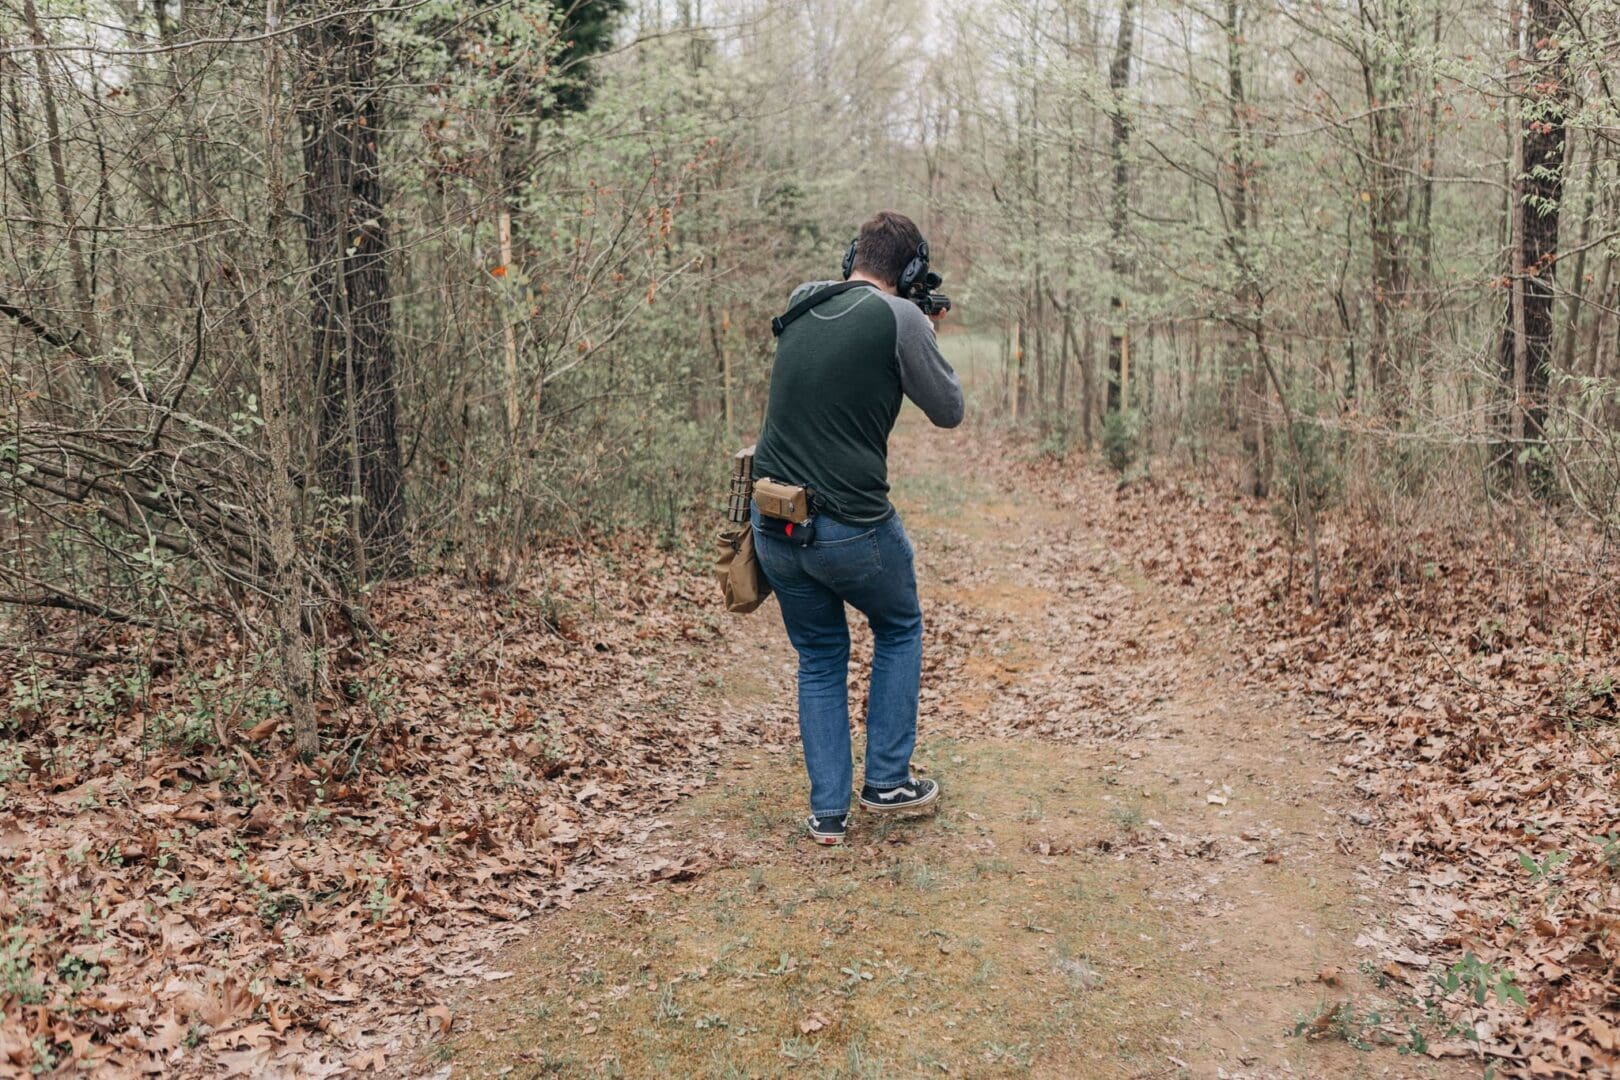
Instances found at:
x=275 y=352
x=350 y=317
x=1119 y=78
x=1525 y=358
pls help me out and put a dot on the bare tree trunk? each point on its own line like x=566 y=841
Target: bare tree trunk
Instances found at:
x=1070 y=168
x=1067 y=333
x=1577 y=277
x=275 y=356
x=82 y=286
x=1302 y=492
x=1601 y=317
x=514 y=416
x=1119 y=78
x=1020 y=404
x=350 y=316
x=1088 y=380
x=1431 y=139
x=1525 y=359
x=1388 y=44
x=1252 y=427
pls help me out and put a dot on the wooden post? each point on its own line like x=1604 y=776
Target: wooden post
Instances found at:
x=504 y=225
x=1018 y=375
x=1125 y=368
x=725 y=367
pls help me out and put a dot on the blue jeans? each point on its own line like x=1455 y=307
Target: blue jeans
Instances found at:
x=872 y=569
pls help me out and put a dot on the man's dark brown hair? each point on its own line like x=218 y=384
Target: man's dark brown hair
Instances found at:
x=886 y=243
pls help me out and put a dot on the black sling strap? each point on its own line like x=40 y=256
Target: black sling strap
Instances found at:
x=780 y=323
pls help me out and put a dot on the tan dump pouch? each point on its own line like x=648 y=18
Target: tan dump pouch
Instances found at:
x=788 y=502
x=742 y=581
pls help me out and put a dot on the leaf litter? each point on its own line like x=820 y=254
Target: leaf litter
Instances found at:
x=191 y=905
x=1477 y=712
x=220 y=908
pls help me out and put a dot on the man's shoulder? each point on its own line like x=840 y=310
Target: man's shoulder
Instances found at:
x=908 y=317
x=805 y=288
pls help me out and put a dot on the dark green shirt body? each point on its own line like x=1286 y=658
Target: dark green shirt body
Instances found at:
x=841 y=371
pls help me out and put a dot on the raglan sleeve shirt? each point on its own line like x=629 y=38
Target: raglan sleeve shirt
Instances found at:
x=926 y=377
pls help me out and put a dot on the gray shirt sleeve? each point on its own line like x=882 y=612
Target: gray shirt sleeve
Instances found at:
x=804 y=289
x=925 y=375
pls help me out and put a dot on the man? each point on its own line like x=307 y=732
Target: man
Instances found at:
x=841 y=370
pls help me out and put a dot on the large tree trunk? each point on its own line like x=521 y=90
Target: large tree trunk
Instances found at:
x=1241 y=214
x=353 y=354
x=1525 y=358
x=1389 y=45
x=275 y=353
x=1119 y=77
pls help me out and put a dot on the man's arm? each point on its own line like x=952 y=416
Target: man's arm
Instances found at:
x=925 y=375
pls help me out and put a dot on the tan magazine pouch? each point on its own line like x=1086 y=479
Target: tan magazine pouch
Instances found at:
x=786 y=502
x=742 y=581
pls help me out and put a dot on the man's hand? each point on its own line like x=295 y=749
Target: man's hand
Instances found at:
x=936 y=316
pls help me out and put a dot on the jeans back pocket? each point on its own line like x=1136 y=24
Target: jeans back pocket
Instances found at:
x=841 y=563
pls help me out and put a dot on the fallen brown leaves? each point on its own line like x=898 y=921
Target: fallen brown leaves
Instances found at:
x=179 y=895
x=1474 y=693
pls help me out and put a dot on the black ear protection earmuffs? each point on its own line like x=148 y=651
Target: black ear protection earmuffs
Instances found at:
x=915 y=270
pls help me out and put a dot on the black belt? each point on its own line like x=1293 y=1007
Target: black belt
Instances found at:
x=799 y=533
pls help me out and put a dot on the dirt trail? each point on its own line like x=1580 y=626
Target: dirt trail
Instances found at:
x=1140 y=868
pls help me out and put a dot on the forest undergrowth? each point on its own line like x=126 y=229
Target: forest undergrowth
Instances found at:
x=181 y=895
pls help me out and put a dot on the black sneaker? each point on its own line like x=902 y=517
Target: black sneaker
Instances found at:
x=910 y=795
x=827 y=829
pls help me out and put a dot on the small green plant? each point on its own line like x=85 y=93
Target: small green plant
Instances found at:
x=997 y=1053
x=273 y=905
x=854 y=974
x=97 y=701
x=921 y=876
x=1313 y=452
x=799 y=1050
x=1057 y=438
x=19 y=978
x=381 y=695
x=1480 y=980
x=1489 y=636
x=1121 y=437
x=378 y=901
x=1590 y=702
x=1338 y=1020
x=1543 y=870
x=32 y=696
x=668 y=1012
x=397 y=790
x=12 y=766
x=1127 y=818
x=47 y=1055
x=1610 y=843
x=78 y=972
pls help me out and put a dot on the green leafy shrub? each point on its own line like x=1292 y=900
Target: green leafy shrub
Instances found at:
x=1122 y=439
x=1320 y=461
